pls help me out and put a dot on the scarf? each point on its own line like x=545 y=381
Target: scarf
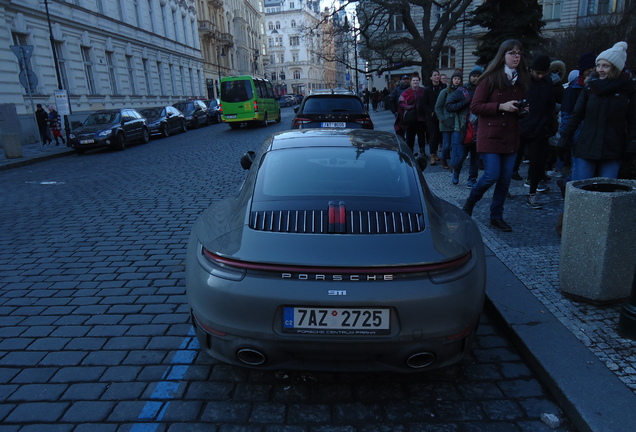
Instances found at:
x=511 y=74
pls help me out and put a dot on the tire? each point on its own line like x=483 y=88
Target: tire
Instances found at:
x=120 y=143
x=80 y=151
x=218 y=118
x=279 y=117
x=165 y=130
x=184 y=126
x=145 y=136
x=265 y=121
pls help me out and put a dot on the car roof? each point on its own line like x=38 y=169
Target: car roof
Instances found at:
x=360 y=138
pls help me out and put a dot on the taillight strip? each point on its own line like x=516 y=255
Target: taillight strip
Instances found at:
x=418 y=268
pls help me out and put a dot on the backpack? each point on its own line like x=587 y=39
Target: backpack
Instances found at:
x=468 y=131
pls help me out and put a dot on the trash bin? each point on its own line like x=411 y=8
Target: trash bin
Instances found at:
x=598 y=243
x=11 y=145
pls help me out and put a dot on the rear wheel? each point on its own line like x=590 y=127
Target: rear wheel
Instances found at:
x=265 y=121
x=278 y=119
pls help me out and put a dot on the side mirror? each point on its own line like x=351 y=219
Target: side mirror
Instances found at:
x=421 y=162
x=247 y=160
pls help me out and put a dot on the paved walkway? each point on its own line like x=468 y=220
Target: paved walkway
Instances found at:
x=574 y=346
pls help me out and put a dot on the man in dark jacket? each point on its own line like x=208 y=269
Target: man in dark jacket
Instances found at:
x=42 y=118
x=537 y=126
x=433 y=135
x=395 y=97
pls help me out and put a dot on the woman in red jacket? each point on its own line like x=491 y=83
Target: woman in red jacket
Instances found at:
x=496 y=101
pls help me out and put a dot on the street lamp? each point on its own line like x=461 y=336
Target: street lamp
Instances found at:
x=218 y=64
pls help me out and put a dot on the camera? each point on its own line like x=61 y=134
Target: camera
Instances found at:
x=522 y=104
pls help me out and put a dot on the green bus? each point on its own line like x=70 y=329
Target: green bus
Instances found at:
x=247 y=99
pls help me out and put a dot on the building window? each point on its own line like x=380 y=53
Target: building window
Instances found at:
x=272 y=59
x=270 y=25
x=294 y=57
x=147 y=76
x=162 y=89
x=270 y=42
x=173 y=83
x=293 y=24
x=151 y=15
x=131 y=74
x=137 y=16
x=88 y=69
x=174 y=26
x=279 y=41
x=294 y=40
x=112 y=75
x=396 y=24
x=446 y=58
x=291 y=5
x=61 y=63
x=192 y=92
x=182 y=75
x=296 y=74
x=277 y=25
x=552 y=9
x=100 y=7
x=120 y=10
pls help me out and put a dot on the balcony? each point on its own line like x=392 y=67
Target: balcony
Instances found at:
x=226 y=39
x=216 y=4
x=206 y=27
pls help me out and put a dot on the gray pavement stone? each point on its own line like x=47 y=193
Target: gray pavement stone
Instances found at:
x=37 y=412
x=37 y=392
x=121 y=373
x=78 y=374
x=309 y=414
x=88 y=412
x=125 y=390
x=84 y=391
x=34 y=375
x=225 y=412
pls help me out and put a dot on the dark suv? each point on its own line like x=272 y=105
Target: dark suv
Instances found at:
x=113 y=128
x=331 y=109
x=195 y=111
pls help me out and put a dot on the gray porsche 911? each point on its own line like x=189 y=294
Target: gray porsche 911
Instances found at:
x=335 y=255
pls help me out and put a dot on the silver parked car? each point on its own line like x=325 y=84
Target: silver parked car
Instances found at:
x=335 y=255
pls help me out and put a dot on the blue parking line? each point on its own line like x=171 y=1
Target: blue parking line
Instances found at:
x=154 y=409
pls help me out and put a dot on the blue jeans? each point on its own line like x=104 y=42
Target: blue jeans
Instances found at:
x=583 y=169
x=446 y=145
x=460 y=151
x=497 y=171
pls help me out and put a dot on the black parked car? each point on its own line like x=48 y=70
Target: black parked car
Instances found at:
x=333 y=108
x=164 y=120
x=195 y=111
x=113 y=128
x=214 y=110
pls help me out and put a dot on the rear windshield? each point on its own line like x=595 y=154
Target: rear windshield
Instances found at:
x=335 y=172
x=319 y=105
x=184 y=107
x=236 y=91
x=151 y=112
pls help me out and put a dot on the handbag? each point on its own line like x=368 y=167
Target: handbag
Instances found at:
x=409 y=117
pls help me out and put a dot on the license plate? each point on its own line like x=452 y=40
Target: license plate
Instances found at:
x=88 y=141
x=333 y=124
x=336 y=321
x=230 y=116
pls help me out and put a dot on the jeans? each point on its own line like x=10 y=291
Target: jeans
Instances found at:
x=459 y=153
x=583 y=169
x=497 y=171
x=446 y=145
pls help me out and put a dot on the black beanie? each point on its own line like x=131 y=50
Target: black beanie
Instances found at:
x=541 y=63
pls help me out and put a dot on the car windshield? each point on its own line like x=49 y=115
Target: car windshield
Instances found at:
x=335 y=172
x=236 y=91
x=321 y=105
x=102 y=118
x=151 y=112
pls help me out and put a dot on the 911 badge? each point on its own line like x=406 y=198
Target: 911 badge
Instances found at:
x=337 y=292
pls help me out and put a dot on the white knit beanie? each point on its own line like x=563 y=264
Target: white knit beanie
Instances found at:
x=616 y=55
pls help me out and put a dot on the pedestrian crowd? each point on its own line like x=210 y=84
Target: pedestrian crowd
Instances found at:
x=522 y=110
x=49 y=125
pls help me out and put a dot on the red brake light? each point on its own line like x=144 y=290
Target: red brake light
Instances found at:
x=298 y=121
x=220 y=108
x=255 y=106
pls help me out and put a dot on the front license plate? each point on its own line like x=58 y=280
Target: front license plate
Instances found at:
x=336 y=321
x=230 y=116
x=333 y=124
x=88 y=141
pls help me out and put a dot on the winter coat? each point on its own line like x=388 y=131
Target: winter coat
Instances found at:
x=411 y=99
x=459 y=104
x=607 y=108
x=498 y=131
x=540 y=122
x=447 y=119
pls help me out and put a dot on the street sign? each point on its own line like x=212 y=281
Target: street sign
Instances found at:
x=22 y=52
x=61 y=100
x=28 y=79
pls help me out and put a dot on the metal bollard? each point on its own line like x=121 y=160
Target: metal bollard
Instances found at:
x=627 y=319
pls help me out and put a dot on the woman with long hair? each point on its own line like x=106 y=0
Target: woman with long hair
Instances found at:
x=412 y=114
x=497 y=102
x=607 y=110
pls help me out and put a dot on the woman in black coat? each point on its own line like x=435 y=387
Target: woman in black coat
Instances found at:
x=607 y=109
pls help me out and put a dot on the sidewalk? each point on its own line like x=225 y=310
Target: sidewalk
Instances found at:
x=574 y=347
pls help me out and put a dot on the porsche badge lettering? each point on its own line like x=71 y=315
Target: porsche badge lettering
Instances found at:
x=338 y=277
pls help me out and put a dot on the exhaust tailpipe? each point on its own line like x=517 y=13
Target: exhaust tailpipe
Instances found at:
x=250 y=357
x=420 y=360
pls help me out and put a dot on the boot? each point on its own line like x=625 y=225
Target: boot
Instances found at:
x=468 y=207
x=445 y=164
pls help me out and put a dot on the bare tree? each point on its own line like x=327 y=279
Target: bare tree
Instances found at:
x=394 y=34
